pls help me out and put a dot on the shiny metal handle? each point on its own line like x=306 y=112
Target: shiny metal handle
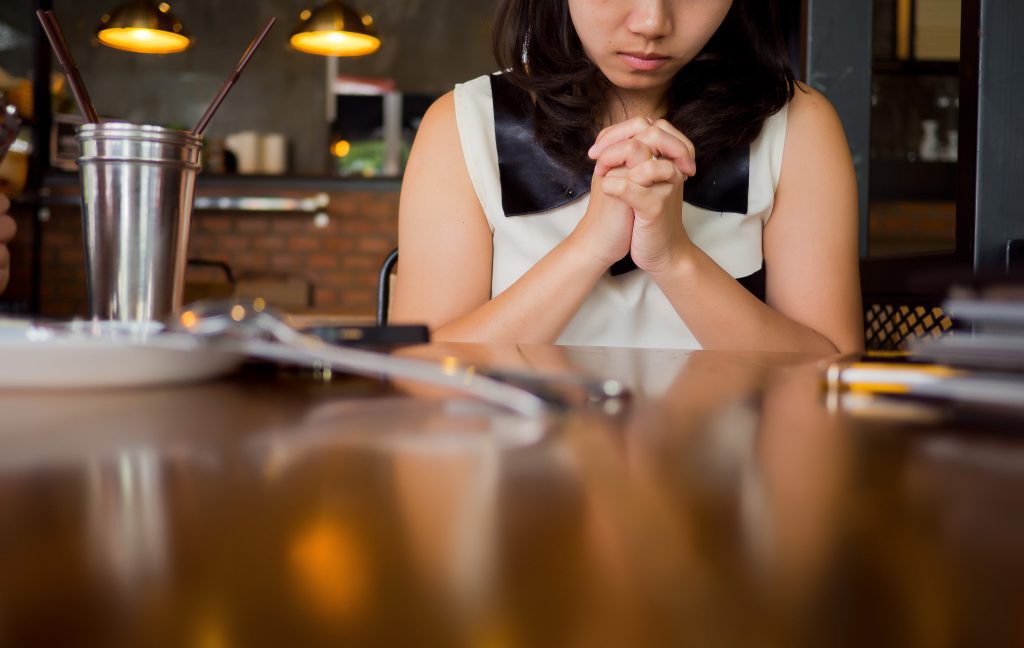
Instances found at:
x=371 y=363
x=301 y=349
x=244 y=327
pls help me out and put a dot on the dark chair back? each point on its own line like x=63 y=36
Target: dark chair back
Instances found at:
x=208 y=279
x=384 y=278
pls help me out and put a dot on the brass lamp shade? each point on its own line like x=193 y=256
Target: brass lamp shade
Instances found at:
x=143 y=26
x=335 y=29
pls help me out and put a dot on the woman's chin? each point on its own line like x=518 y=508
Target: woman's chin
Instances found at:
x=639 y=82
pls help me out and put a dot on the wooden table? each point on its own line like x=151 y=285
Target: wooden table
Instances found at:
x=730 y=503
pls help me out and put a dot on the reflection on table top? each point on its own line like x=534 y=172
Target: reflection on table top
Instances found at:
x=728 y=504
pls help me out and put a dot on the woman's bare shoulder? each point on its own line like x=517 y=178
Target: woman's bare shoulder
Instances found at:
x=439 y=120
x=437 y=139
x=437 y=185
x=812 y=115
x=442 y=228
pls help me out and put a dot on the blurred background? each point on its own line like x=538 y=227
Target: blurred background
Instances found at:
x=425 y=48
x=317 y=144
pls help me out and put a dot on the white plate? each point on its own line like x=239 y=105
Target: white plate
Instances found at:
x=73 y=361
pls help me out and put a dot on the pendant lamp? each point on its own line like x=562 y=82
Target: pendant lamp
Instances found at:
x=335 y=29
x=145 y=27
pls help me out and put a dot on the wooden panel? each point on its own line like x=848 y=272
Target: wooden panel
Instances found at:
x=904 y=23
x=937 y=26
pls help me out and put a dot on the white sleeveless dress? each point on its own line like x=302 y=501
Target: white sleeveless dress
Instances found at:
x=628 y=310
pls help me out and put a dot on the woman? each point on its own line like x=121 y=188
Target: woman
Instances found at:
x=7 y=230
x=563 y=218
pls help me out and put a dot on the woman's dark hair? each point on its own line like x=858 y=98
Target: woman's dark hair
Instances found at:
x=720 y=100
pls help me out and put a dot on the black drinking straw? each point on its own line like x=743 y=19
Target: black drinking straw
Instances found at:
x=204 y=121
x=63 y=52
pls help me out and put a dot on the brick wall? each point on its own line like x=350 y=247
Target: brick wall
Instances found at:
x=18 y=294
x=62 y=291
x=339 y=258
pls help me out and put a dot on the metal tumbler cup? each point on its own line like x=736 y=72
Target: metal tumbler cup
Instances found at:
x=138 y=184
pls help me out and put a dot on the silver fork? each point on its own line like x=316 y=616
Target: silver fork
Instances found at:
x=251 y=328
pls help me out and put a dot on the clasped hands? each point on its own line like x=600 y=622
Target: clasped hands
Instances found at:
x=636 y=203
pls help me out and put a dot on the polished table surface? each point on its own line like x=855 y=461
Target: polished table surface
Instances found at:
x=729 y=502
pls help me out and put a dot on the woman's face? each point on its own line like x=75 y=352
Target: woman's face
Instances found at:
x=641 y=44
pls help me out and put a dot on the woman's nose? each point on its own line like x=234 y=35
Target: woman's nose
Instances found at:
x=651 y=19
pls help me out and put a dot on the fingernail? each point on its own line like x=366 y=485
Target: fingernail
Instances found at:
x=590 y=153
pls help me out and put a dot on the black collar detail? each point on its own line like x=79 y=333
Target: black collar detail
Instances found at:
x=532 y=181
x=724 y=186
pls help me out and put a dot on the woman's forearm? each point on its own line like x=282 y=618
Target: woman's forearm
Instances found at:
x=722 y=314
x=537 y=307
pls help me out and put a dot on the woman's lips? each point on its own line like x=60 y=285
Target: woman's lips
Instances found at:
x=643 y=62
